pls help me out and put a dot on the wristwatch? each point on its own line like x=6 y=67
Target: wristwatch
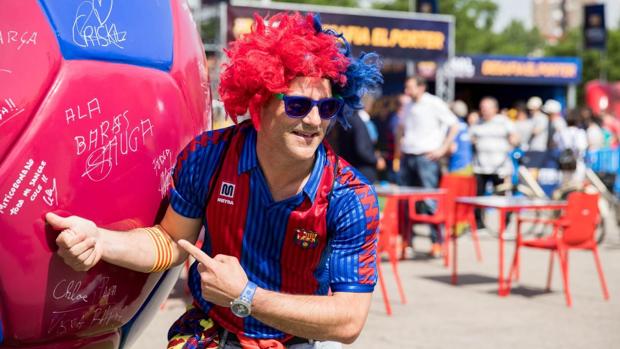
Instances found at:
x=242 y=306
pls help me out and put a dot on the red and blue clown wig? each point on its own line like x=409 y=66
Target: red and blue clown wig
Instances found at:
x=284 y=46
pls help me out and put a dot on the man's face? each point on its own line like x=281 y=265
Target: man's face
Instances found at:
x=488 y=109
x=413 y=90
x=296 y=138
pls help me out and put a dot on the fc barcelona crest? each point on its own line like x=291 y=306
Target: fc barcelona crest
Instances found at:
x=306 y=238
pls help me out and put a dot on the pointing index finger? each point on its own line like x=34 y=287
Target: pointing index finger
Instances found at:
x=196 y=253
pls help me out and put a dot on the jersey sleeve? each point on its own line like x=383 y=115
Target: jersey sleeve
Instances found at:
x=353 y=218
x=195 y=166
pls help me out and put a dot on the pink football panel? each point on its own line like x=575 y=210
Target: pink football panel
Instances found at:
x=29 y=60
x=102 y=146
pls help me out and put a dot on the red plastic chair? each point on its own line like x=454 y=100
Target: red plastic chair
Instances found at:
x=388 y=244
x=573 y=230
x=446 y=214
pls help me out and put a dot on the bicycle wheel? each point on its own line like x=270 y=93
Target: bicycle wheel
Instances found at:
x=490 y=218
x=599 y=233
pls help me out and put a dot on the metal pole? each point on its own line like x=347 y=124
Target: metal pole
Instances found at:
x=219 y=52
x=603 y=65
x=410 y=65
x=412 y=5
x=571 y=101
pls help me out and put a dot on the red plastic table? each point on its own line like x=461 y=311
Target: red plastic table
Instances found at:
x=504 y=204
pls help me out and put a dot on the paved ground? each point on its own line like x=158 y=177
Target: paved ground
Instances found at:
x=471 y=315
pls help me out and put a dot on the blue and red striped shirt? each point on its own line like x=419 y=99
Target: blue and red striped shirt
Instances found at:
x=322 y=238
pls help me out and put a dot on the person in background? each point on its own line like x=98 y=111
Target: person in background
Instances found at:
x=594 y=132
x=368 y=102
x=422 y=140
x=572 y=143
x=557 y=123
x=523 y=126
x=355 y=144
x=611 y=124
x=538 y=142
x=460 y=162
x=473 y=118
x=384 y=115
x=493 y=140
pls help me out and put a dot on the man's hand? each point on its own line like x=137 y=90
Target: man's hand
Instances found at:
x=396 y=165
x=78 y=243
x=436 y=154
x=222 y=278
x=380 y=163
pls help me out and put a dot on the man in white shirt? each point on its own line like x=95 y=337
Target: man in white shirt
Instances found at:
x=493 y=140
x=425 y=134
x=540 y=132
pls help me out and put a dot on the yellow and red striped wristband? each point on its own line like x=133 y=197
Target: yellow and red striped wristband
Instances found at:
x=163 y=248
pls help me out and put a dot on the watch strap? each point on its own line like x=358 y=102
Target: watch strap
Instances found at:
x=248 y=292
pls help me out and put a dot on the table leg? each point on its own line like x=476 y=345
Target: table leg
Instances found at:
x=502 y=227
x=401 y=224
x=454 y=249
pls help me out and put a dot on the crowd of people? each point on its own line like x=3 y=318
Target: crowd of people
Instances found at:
x=413 y=138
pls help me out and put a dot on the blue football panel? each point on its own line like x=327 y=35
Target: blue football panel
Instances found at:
x=133 y=32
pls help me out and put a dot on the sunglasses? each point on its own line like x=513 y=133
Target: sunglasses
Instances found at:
x=298 y=107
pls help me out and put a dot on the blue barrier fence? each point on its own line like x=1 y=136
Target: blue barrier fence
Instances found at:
x=606 y=161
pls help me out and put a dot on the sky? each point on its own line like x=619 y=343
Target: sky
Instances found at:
x=522 y=9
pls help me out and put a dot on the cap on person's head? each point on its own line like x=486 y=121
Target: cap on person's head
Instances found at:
x=552 y=106
x=534 y=103
x=283 y=47
x=459 y=108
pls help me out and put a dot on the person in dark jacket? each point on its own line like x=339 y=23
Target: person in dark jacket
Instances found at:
x=355 y=146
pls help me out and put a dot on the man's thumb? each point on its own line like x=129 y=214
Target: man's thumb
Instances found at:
x=57 y=222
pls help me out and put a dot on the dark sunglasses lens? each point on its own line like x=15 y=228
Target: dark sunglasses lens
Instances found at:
x=329 y=107
x=297 y=106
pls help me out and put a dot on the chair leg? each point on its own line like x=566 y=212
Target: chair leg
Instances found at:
x=564 y=266
x=474 y=237
x=600 y=273
x=517 y=273
x=446 y=244
x=550 y=272
x=386 y=300
x=399 y=284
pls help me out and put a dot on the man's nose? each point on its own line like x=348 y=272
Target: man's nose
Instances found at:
x=313 y=117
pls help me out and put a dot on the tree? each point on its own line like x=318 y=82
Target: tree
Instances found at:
x=516 y=40
x=473 y=20
x=592 y=60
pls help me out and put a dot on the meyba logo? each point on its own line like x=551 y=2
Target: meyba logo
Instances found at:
x=227 y=192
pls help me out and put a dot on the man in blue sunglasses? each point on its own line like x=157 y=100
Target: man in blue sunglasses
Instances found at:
x=286 y=221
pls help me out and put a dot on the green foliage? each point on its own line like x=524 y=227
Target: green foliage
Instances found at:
x=395 y=5
x=516 y=40
x=595 y=64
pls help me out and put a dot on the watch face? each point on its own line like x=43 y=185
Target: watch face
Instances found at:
x=240 y=309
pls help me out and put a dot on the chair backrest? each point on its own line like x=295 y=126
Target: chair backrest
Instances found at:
x=458 y=186
x=582 y=215
x=388 y=227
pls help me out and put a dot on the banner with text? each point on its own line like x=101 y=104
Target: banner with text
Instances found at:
x=516 y=70
x=397 y=38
